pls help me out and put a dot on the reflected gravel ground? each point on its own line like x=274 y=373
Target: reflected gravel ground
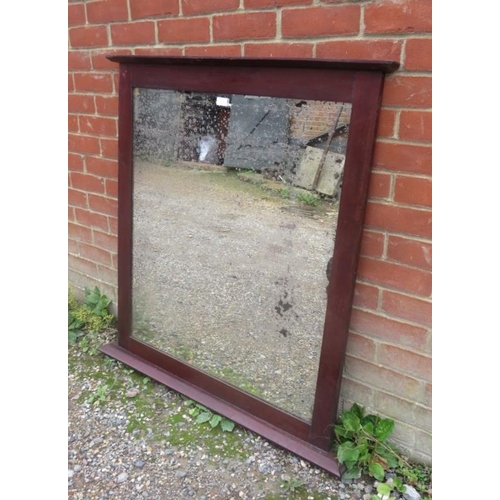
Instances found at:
x=232 y=279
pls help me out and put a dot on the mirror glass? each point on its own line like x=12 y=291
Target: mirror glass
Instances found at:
x=235 y=205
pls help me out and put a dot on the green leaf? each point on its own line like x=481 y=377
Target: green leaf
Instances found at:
x=72 y=336
x=194 y=412
x=347 y=453
x=352 y=473
x=384 y=489
x=384 y=429
x=203 y=417
x=357 y=410
x=215 y=420
x=351 y=421
x=377 y=471
x=227 y=425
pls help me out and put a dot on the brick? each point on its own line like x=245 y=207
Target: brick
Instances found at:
x=85 y=182
x=81 y=103
x=104 y=11
x=401 y=157
x=113 y=225
x=107 y=105
x=83 y=144
x=107 y=274
x=114 y=257
x=91 y=219
x=405 y=220
x=193 y=7
x=71 y=83
x=72 y=123
x=103 y=205
x=278 y=50
x=321 y=21
x=400 y=409
x=254 y=26
x=389 y=329
x=88 y=36
x=418 y=54
x=75 y=162
x=95 y=254
x=109 y=148
x=214 y=50
x=77 y=198
x=101 y=167
x=380 y=185
x=413 y=252
x=408 y=16
x=407 y=91
x=116 y=83
x=366 y=296
x=372 y=244
x=82 y=265
x=386 y=123
x=256 y=4
x=112 y=188
x=78 y=60
x=71 y=214
x=405 y=361
x=97 y=125
x=100 y=62
x=184 y=30
x=72 y=247
x=423 y=447
x=106 y=241
x=93 y=82
x=395 y=275
x=140 y=9
x=133 y=33
x=76 y=14
x=413 y=190
x=360 y=49
x=163 y=51
x=80 y=233
x=415 y=125
x=407 y=308
x=354 y=392
x=385 y=379
x=428 y=395
x=361 y=347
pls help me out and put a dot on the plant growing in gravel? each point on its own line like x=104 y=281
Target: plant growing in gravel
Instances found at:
x=361 y=444
x=291 y=485
x=384 y=490
x=90 y=317
x=99 y=395
x=201 y=414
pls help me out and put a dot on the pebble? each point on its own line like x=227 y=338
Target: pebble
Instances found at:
x=122 y=477
x=139 y=464
x=181 y=473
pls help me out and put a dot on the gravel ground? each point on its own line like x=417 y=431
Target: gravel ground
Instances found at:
x=131 y=438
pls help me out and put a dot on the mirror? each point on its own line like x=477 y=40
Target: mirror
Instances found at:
x=242 y=191
x=235 y=207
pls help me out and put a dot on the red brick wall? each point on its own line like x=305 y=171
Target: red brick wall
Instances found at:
x=388 y=365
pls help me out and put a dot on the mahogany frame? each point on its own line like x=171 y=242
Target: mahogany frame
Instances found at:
x=357 y=82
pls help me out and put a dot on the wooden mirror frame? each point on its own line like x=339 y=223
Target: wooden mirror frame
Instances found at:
x=356 y=82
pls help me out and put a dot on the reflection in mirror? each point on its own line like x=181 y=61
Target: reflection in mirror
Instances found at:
x=235 y=204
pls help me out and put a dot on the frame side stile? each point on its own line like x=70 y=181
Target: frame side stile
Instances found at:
x=367 y=91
